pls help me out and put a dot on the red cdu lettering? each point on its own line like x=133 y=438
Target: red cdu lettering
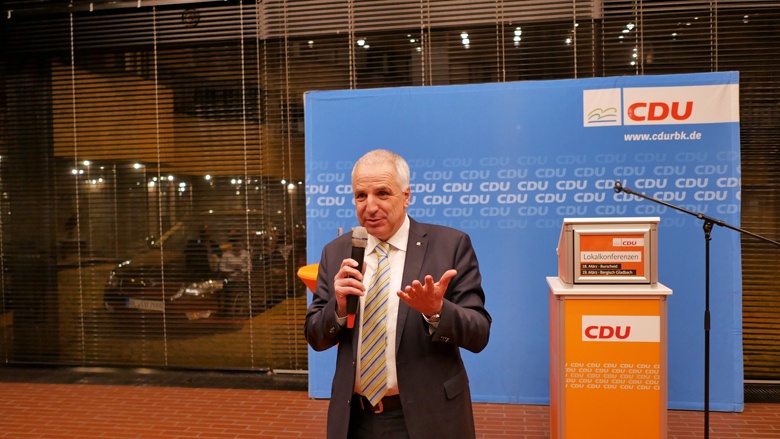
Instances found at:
x=644 y=111
x=607 y=332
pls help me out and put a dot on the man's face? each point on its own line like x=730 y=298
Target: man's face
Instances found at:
x=380 y=202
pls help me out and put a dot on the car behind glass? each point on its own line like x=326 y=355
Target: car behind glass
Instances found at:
x=179 y=274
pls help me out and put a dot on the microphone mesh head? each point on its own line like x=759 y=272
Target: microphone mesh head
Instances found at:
x=359 y=237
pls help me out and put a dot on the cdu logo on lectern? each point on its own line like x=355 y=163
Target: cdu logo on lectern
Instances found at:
x=621 y=328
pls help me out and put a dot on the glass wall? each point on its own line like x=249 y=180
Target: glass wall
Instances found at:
x=152 y=153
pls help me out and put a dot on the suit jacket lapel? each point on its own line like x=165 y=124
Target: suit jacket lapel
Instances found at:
x=415 y=256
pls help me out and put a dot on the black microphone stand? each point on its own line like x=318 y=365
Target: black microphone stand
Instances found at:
x=707 y=226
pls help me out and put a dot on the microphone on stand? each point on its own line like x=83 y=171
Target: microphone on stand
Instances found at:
x=619 y=188
x=359 y=244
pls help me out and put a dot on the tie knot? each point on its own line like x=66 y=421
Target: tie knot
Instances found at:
x=383 y=248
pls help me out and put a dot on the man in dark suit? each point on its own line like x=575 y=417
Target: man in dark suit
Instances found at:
x=435 y=306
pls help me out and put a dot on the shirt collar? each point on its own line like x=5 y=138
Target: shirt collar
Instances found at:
x=398 y=240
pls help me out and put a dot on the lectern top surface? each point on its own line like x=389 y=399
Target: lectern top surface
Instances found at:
x=559 y=288
x=607 y=220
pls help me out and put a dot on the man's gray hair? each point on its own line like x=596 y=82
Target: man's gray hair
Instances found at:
x=382 y=156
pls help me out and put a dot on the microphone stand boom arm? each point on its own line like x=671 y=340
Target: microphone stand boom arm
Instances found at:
x=708 y=221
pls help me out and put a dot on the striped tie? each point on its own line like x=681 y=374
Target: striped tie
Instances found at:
x=373 y=373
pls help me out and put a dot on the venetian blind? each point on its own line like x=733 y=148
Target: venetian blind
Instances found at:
x=128 y=123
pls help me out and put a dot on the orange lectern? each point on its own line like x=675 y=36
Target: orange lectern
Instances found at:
x=608 y=369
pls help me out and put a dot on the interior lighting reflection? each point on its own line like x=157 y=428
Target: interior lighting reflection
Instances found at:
x=207 y=177
x=86 y=162
x=464 y=39
x=137 y=165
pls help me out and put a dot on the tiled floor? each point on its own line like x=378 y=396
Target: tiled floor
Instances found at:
x=34 y=408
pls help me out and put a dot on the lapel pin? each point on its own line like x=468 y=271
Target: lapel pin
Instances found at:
x=418 y=243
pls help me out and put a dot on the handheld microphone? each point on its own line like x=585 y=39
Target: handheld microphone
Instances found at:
x=359 y=244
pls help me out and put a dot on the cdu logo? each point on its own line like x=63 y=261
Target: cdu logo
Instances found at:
x=661 y=105
x=601 y=107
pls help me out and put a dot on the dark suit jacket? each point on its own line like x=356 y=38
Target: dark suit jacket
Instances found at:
x=432 y=380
